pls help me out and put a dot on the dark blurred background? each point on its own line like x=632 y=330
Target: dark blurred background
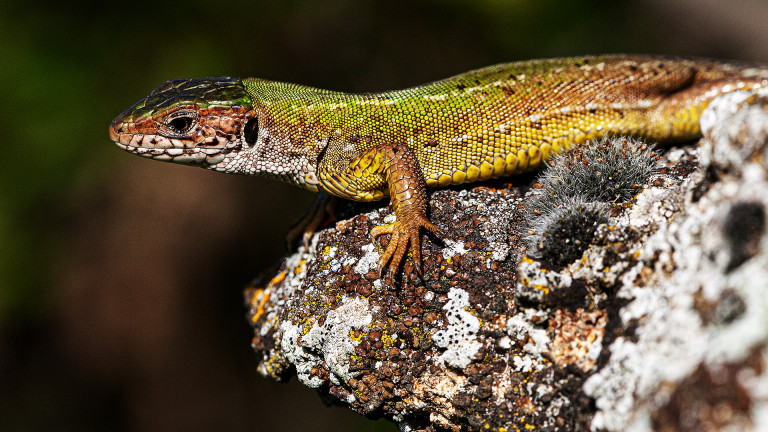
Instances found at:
x=121 y=278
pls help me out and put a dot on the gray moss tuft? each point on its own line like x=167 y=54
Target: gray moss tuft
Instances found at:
x=562 y=233
x=576 y=191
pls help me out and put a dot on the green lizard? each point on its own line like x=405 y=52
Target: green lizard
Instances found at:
x=488 y=123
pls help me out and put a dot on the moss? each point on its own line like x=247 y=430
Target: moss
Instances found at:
x=611 y=170
x=576 y=191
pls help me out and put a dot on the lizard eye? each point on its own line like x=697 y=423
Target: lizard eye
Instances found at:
x=251 y=131
x=180 y=122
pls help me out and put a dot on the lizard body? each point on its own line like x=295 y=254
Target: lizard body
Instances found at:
x=488 y=123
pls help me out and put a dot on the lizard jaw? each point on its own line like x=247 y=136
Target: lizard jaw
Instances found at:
x=188 y=156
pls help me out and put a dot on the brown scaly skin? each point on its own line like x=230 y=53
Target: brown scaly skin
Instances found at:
x=488 y=123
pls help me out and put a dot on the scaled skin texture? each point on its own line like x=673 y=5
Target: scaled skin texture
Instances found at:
x=488 y=123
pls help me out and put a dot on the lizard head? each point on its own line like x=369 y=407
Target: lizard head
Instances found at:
x=205 y=122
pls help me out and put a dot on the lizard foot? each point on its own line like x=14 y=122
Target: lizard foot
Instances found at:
x=404 y=233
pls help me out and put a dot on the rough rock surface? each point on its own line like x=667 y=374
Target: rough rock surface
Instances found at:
x=661 y=324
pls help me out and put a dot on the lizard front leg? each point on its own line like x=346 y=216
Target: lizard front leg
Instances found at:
x=364 y=179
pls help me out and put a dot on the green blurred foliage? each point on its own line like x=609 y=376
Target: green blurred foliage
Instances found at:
x=68 y=68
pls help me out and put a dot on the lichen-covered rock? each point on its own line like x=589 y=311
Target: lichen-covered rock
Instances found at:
x=660 y=324
x=698 y=296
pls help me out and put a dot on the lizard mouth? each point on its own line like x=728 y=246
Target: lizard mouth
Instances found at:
x=190 y=156
x=166 y=149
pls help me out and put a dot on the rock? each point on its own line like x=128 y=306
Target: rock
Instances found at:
x=661 y=323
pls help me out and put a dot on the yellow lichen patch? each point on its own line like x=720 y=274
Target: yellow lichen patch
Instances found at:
x=300 y=267
x=261 y=297
x=280 y=277
x=356 y=336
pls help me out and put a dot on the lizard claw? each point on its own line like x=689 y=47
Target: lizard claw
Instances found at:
x=404 y=234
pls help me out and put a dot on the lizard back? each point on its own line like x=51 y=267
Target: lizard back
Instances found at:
x=504 y=119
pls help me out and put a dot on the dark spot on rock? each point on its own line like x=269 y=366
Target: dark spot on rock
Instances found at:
x=710 y=176
x=729 y=307
x=699 y=400
x=743 y=227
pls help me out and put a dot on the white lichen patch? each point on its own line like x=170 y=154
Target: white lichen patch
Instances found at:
x=330 y=344
x=499 y=251
x=520 y=329
x=293 y=281
x=369 y=261
x=645 y=209
x=303 y=359
x=459 y=338
x=454 y=248
x=742 y=108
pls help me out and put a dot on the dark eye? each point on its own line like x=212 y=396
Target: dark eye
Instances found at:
x=180 y=122
x=251 y=131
